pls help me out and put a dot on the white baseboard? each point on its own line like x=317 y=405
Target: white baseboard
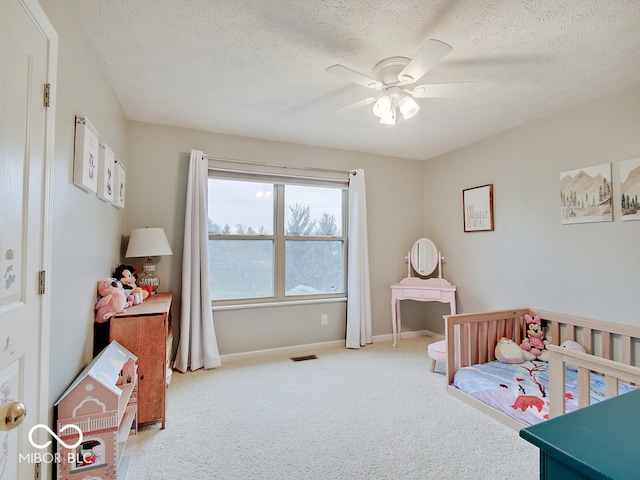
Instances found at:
x=310 y=346
x=286 y=350
x=416 y=333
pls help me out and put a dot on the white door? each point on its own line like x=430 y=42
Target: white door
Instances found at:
x=27 y=58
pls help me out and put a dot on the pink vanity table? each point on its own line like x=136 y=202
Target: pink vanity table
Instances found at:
x=423 y=258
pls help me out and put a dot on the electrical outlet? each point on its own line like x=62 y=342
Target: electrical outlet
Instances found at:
x=324 y=319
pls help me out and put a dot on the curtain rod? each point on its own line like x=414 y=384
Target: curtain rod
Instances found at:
x=264 y=164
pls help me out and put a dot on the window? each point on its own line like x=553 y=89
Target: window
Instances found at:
x=275 y=238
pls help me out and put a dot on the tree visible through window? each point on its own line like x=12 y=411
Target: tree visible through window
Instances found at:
x=275 y=241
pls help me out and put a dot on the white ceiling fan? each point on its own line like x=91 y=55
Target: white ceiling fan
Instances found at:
x=394 y=77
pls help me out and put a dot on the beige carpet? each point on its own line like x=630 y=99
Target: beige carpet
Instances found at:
x=373 y=413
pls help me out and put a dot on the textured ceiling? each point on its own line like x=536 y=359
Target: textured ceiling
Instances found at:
x=257 y=68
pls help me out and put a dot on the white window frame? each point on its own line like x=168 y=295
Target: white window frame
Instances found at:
x=279 y=238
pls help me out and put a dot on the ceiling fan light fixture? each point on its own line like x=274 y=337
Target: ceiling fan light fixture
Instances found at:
x=408 y=107
x=390 y=117
x=394 y=76
x=382 y=107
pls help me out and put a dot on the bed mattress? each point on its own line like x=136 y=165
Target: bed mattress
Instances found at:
x=522 y=390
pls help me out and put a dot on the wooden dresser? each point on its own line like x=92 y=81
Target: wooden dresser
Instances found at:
x=146 y=331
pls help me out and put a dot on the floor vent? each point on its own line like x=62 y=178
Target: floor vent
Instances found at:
x=302 y=359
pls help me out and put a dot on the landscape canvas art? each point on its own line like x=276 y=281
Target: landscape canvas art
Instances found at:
x=630 y=188
x=585 y=195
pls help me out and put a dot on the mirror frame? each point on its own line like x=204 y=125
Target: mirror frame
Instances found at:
x=434 y=258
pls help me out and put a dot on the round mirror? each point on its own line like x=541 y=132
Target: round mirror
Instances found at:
x=424 y=257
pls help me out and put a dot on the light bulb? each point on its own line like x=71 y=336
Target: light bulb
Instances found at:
x=382 y=106
x=389 y=118
x=408 y=107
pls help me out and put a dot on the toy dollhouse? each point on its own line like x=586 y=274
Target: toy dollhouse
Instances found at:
x=102 y=403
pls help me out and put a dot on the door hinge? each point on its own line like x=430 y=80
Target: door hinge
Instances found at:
x=47 y=95
x=41 y=282
x=38 y=469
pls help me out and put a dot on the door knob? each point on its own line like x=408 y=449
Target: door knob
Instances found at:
x=11 y=415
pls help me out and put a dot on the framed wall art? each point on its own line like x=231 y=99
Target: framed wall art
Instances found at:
x=85 y=161
x=477 y=206
x=630 y=188
x=119 y=184
x=585 y=195
x=106 y=164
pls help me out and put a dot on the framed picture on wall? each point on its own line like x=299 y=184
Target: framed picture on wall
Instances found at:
x=85 y=160
x=630 y=188
x=119 y=185
x=477 y=207
x=585 y=195
x=106 y=166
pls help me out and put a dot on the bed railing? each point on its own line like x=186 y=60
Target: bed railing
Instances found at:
x=472 y=337
x=597 y=337
x=612 y=371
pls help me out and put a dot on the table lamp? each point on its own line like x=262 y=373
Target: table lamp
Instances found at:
x=148 y=242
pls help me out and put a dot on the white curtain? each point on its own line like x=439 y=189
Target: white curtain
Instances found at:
x=359 y=297
x=198 y=347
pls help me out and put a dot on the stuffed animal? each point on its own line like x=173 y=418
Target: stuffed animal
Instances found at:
x=126 y=274
x=112 y=299
x=575 y=346
x=535 y=342
x=508 y=351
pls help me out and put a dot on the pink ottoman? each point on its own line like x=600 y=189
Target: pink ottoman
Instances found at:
x=437 y=352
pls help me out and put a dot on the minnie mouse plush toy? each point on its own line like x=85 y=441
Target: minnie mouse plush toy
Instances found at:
x=535 y=342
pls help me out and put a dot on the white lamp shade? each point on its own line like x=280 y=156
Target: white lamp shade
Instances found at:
x=148 y=242
x=382 y=106
x=408 y=107
x=390 y=117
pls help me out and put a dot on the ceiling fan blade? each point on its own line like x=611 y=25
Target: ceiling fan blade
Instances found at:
x=355 y=106
x=434 y=90
x=353 y=76
x=431 y=53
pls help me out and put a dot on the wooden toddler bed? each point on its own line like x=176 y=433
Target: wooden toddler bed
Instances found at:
x=611 y=362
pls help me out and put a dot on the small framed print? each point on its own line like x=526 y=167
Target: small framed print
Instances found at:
x=106 y=164
x=119 y=184
x=630 y=188
x=586 y=195
x=87 y=150
x=477 y=205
